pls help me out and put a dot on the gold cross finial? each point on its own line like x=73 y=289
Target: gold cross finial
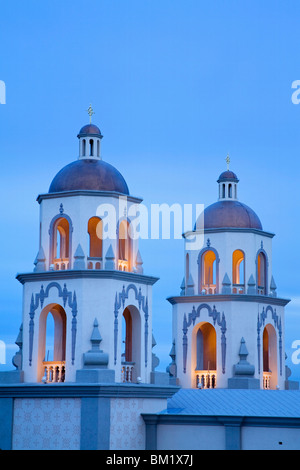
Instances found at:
x=227 y=161
x=90 y=112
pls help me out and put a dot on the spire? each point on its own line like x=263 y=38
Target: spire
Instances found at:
x=251 y=285
x=40 y=261
x=190 y=286
x=226 y=285
x=96 y=337
x=79 y=258
x=155 y=359
x=182 y=287
x=95 y=357
x=273 y=287
x=17 y=359
x=172 y=368
x=243 y=371
x=139 y=263
x=243 y=367
x=110 y=259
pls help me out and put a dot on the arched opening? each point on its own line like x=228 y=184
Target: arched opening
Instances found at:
x=125 y=247
x=98 y=148
x=49 y=346
x=91 y=148
x=238 y=272
x=269 y=357
x=131 y=342
x=261 y=273
x=95 y=231
x=61 y=244
x=127 y=335
x=230 y=190
x=84 y=147
x=205 y=351
x=209 y=272
x=52 y=344
x=223 y=191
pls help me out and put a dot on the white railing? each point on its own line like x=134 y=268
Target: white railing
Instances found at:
x=54 y=371
x=206 y=378
x=94 y=263
x=61 y=264
x=261 y=290
x=266 y=380
x=238 y=288
x=208 y=289
x=127 y=372
x=123 y=265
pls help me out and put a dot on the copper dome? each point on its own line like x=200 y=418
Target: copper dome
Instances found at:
x=88 y=174
x=90 y=130
x=229 y=214
x=227 y=175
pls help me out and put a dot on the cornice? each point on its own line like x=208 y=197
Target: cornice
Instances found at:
x=85 y=274
x=262 y=299
x=77 y=390
x=262 y=233
x=112 y=194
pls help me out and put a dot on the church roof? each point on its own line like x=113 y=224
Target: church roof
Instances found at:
x=228 y=175
x=90 y=130
x=228 y=212
x=232 y=214
x=88 y=174
x=234 y=402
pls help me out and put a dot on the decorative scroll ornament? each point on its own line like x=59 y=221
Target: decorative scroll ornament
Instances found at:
x=143 y=304
x=217 y=319
x=38 y=301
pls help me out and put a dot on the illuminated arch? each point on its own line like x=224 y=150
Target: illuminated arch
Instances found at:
x=58 y=340
x=270 y=355
x=60 y=231
x=131 y=338
x=208 y=261
x=262 y=272
x=124 y=247
x=204 y=355
x=95 y=231
x=238 y=271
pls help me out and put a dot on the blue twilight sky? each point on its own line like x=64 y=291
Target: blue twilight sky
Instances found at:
x=175 y=85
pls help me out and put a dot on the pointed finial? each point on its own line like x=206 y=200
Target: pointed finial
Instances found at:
x=90 y=112
x=228 y=161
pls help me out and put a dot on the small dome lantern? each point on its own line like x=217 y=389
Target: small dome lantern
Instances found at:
x=89 y=140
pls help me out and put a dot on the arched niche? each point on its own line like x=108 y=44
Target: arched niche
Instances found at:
x=131 y=344
x=58 y=339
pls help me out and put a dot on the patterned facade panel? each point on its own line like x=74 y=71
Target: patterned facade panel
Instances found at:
x=127 y=430
x=46 y=424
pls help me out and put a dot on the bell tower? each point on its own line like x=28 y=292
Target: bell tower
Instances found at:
x=228 y=322
x=88 y=280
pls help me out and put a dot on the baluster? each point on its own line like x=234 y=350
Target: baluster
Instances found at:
x=47 y=374
x=59 y=374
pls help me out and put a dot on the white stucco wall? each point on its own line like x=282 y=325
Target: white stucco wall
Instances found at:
x=186 y=437
x=95 y=299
